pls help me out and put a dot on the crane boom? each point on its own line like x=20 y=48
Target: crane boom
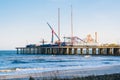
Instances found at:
x=80 y=39
x=75 y=37
x=53 y=32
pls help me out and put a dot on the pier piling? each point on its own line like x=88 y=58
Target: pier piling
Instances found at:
x=93 y=51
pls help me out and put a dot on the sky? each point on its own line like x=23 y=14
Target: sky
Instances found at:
x=23 y=22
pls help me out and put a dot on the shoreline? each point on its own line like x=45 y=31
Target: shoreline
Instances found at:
x=113 y=69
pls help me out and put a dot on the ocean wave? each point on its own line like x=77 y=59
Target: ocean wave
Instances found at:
x=18 y=61
x=20 y=69
x=51 y=60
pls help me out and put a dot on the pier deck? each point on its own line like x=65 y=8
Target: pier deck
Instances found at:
x=71 y=50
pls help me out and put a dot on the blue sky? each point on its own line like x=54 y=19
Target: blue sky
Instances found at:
x=24 y=21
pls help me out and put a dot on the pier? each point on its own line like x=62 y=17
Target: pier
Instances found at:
x=72 y=46
x=70 y=50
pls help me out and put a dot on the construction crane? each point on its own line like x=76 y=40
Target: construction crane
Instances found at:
x=53 y=33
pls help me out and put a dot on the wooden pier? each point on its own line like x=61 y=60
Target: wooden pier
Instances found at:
x=71 y=50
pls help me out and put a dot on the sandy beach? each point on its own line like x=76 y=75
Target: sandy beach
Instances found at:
x=66 y=73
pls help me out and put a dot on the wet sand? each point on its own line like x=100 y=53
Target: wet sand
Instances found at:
x=65 y=73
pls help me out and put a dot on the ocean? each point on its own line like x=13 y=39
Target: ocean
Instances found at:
x=12 y=63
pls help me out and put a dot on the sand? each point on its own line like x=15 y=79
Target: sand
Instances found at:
x=66 y=73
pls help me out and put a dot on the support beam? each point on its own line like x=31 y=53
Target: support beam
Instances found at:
x=23 y=50
x=81 y=50
x=17 y=50
x=70 y=51
x=94 y=51
x=87 y=51
x=61 y=50
x=65 y=51
x=116 y=51
x=109 y=51
x=75 y=50
x=30 y=51
x=101 y=51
